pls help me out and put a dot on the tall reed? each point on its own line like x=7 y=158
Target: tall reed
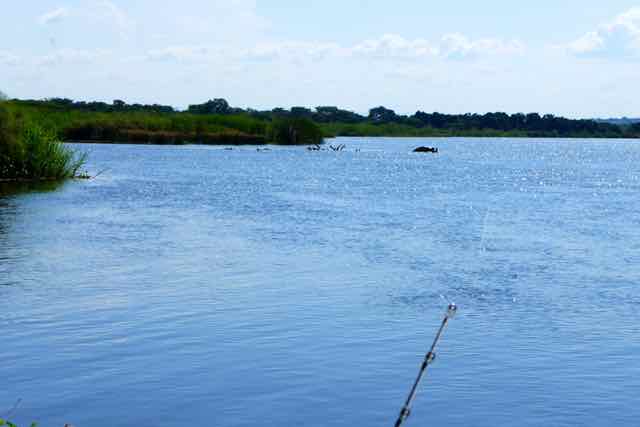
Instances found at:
x=30 y=153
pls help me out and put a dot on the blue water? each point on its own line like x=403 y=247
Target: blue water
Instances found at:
x=201 y=286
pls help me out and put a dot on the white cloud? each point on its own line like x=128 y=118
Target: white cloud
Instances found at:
x=262 y=52
x=387 y=47
x=458 y=46
x=450 y=46
x=292 y=51
x=617 y=39
x=395 y=46
x=103 y=13
x=71 y=56
x=53 y=16
x=589 y=43
x=108 y=12
x=232 y=22
x=7 y=58
x=182 y=54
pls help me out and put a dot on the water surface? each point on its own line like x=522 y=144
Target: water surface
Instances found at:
x=201 y=286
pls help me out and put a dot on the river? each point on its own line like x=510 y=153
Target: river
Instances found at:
x=195 y=285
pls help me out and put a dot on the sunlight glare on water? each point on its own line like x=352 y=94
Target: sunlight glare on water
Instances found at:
x=194 y=285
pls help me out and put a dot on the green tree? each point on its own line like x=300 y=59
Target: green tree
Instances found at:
x=214 y=106
x=301 y=112
x=382 y=115
x=294 y=131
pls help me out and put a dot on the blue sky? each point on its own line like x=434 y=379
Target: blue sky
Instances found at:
x=573 y=58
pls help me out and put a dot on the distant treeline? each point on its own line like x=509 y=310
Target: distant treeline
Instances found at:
x=382 y=121
x=215 y=121
x=622 y=121
x=157 y=124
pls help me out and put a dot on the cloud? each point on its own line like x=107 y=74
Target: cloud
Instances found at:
x=458 y=46
x=10 y=59
x=617 y=39
x=53 y=16
x=450 y=46
x=386 y=47
x=92 y=13
x=395 y=46
x=262 y=52
x=182 y=54
x=231 y=22
x=110 y=13
x=71 y=56
x=293 y=51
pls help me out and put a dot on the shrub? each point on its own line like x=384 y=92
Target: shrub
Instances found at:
x=10 y=424
x=294 y=131
x=28 y=152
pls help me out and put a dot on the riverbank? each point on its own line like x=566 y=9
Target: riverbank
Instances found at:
x=140 y=126
x=216 y=123
x=399 y=130
x=30 y=153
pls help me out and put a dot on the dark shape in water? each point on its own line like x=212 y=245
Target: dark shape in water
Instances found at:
x=426 y=150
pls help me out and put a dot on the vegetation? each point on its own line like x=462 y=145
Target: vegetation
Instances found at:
x=10 y=424
x=384 y=122
x=216 y=122
x=90 y=122
x=99 y=122
x=29 y=152
x=622 y=121
x=294 y=130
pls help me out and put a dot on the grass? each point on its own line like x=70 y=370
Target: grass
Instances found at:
x=334 y=129
x=29 y=152
x=143 y=127
x=110 y=123
x=10 y=424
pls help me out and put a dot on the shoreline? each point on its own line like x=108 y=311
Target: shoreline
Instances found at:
x=267 y=144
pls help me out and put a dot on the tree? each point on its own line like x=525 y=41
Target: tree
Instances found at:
x=533 y=121
x=65 y=102
x=280 y=112
x=301 y=112
x=3 y=96
x=214 y=106
x=382 y=115
x=119 y=104
x=293 y=131
x=326 y=114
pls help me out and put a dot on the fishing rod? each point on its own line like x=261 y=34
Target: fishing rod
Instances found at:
x=428 y=359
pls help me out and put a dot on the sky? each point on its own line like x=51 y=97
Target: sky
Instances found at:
x=578 y=59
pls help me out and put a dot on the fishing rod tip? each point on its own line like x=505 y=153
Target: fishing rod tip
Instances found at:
x=452 y=310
